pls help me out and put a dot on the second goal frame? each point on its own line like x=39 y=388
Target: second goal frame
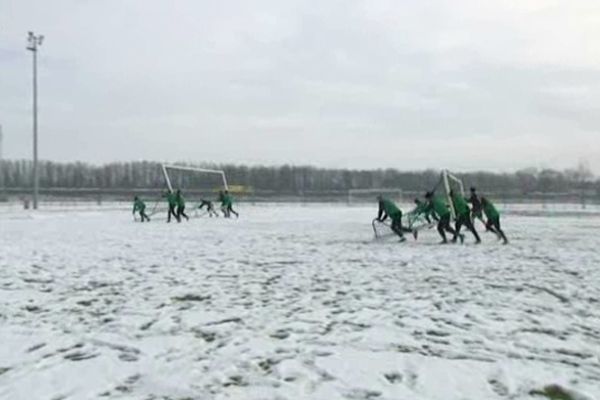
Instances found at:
x=166 y=167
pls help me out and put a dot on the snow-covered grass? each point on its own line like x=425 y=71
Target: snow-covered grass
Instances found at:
x=294 y=302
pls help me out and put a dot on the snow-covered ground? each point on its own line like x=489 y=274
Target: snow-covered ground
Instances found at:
x=294 y=302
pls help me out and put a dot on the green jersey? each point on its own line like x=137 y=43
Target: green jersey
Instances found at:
x=180 y=201
x=422 y=209
x=138 y=205
x=460 y=205
x=390 y=208
x=172 y=199
x=439 y=207
x=490 y=211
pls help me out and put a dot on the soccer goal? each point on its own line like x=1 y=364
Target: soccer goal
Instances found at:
x=362 y=196
x=450 y=182
x=195 y=184
x=192 y=176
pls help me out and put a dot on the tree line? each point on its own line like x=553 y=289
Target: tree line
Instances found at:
x=289 y=179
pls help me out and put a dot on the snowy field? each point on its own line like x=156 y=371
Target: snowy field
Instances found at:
x=294 y=302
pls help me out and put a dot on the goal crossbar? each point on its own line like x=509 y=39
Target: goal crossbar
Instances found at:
x=166 y=167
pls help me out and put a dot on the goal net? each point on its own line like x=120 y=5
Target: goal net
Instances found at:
x=196 y=184
x=362 y=196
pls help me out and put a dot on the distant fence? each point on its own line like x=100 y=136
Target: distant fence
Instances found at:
x=73 y=197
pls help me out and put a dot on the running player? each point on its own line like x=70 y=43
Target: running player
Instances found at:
x=172 y=203
x=180 y=201
x=463 y=216
x=223 y=199
x=388 y=208
x=439 y=210
x=422 y=209
x=210 y=208
x=140 y=206
x=476 y=207
x=493 y=218
x=229 y=205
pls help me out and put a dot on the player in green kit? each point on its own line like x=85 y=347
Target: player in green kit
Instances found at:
x=140 y=206
x=419 y=217
x=210 y=208
x=422 y=210
x=476 y=207
x=229 y=205
x=387 y=208
x=463 y=216
x=493 y=218
x=172 y=202
x=180 y=202
x=439 y=210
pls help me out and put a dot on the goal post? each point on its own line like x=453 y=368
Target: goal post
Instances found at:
x=195 y=183
x=451 y=183
x=167 y=167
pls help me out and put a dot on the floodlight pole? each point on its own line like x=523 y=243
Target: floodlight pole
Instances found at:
x=34 y=42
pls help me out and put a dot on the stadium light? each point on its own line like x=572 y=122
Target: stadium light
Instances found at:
x=33 y=44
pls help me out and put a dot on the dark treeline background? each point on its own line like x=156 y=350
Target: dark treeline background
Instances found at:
x=287 y=179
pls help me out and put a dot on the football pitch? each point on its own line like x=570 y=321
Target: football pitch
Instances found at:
x=294 y=302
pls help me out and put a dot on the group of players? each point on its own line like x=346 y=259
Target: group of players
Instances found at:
x=176 y=206
x=436 y=207
x=432 y=207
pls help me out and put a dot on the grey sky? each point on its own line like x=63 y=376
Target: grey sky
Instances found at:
x=463 y=84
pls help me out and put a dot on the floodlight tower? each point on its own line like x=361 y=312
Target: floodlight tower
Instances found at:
x=35 y=41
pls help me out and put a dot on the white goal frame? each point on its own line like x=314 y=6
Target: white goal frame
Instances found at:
x=166 y=167
x=447 y=177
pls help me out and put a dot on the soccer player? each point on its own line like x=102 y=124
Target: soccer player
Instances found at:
x=476 y=207
x=493 y=218
x=387 y=208
x=180 y=201
x=463 y=216
x=172 y=202
x=210 y=208
x=223 y=201
x=422 y=209
x=439 y=209
x=229 y=204
x=140 y=206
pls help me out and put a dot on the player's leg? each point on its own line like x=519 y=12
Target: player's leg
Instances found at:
x=460 y=221
x=173 y=212
x=496 y=225
x=184 y=214
x=397 y=228
x=443 y=225
x=471 y=228
x=230 y=210
x=457 y=227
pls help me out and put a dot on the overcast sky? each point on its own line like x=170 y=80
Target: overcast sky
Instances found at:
x=461 y=84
